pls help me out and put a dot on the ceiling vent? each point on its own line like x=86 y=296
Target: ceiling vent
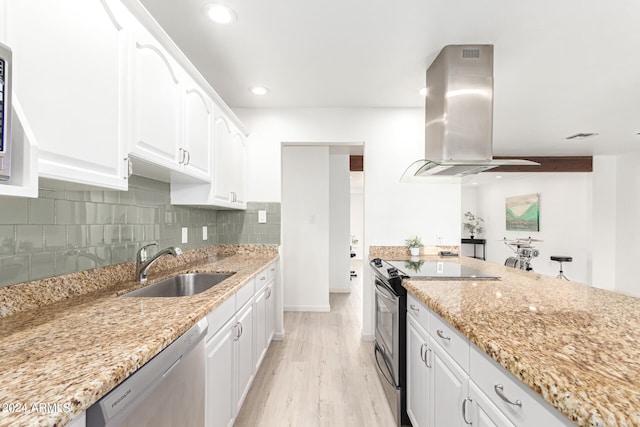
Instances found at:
x=581 y=135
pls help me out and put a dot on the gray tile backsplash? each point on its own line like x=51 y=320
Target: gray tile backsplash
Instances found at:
x=65 y=231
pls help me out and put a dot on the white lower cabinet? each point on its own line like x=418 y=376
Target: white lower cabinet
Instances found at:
x=482 y=411
x=449 y=389
x=236 y=349
x=220 y=405
x=244 y=346
x=418 y=373
x=452 y=383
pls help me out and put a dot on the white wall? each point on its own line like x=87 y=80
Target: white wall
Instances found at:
x=339 y=218
x=357 y=212
x=628 y=224
x=393 y=138
x=305 y=228
x=604 y=221
x=565 y=219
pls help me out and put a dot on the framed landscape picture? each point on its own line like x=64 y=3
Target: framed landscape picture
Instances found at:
x=523 y=212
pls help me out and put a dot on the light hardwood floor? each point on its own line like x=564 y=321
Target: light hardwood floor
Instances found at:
x=322 y=374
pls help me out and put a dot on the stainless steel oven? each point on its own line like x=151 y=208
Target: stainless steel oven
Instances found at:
x=5 y=112
x=390 y=337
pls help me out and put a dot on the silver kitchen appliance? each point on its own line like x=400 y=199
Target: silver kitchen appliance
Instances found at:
x=167 y=391
x=5 y=111
x=459 y=115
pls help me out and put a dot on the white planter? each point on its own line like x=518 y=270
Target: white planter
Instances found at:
x=415 y=251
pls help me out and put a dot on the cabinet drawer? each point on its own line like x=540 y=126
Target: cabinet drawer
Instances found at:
x=271 y=271
x=452 y=341
x=533 y=411
x=261 y=279
x=418 y=310
x=245 y=293
x=219 y=315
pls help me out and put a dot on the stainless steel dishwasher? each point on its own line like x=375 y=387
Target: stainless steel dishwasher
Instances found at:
x=167 y=391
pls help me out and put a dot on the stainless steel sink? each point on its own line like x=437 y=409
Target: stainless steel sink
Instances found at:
x=182 y=285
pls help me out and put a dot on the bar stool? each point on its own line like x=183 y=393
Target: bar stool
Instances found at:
x=561 y=259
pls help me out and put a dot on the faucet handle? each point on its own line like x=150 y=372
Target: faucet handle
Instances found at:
x=142 y=252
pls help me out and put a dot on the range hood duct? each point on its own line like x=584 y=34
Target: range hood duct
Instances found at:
x=459 y=114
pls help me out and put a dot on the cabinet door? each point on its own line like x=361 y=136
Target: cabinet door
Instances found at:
x=418 y=374
x=69 y=75
x=238 y=168
x=244 y=346
x=260 y=307
x=223 y=174
x=157 y=99
x=271 y=312
x=449 y=388
x=482 y=412
x=198 y=118
x=220 y=377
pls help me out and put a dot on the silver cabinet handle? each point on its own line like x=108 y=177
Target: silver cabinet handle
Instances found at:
x=181 y=155
x=268 y=293
x=262 y=278
x=129 y=167
x=426 y=357
x=441 y=334
x=464 y=410
x=241 y=329
x=413 y=307
x=423 y=353
x=237 y=326
x=188 y=155
x=499 y=389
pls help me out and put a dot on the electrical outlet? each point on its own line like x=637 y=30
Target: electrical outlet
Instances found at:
x=185 y=235
x=204 y=232
x=262 y=217
x=439 y=240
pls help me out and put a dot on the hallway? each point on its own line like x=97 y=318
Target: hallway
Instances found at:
x=322 y=374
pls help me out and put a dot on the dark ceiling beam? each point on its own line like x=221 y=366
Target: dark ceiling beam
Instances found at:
x=356 y=163
x=549 y=164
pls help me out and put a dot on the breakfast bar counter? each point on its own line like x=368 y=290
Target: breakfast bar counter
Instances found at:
x=576 y=346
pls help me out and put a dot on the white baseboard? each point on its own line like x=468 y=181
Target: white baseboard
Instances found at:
x=278 y=336
x=368 y=337
x=339 y=291
x=320 y=308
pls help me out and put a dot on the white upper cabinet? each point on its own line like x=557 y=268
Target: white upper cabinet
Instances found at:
x=157 y=98
x=197 y=142
x=229 y=161
x=69 y=59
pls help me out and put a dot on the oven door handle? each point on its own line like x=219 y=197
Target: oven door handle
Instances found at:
x=378 y=350
x=384 y=293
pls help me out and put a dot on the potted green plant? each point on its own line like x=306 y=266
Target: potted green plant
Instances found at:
x=473 y=225
x=414 y=244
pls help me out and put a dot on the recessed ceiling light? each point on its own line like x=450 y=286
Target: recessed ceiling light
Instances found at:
x=423 y=91
x=499 y=177
x=259 y=90
x=220 y=13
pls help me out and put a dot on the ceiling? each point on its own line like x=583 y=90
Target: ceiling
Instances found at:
x=561 y=67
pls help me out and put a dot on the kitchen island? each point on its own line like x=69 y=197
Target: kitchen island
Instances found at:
x=574 y=345
x=68 y=340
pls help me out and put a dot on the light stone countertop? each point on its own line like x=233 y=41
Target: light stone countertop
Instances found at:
x=576 y=346
x=68 y=354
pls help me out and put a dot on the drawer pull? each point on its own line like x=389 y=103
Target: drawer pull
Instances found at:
x=423 y=353
x=464 y=411
x=441 y=334
x=500 y=392
x=413 y=307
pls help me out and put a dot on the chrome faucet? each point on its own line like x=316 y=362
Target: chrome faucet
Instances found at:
x=143 y=262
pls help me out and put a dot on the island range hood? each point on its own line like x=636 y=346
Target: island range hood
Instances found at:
x=459 y=114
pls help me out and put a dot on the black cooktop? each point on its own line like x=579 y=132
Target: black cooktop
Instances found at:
x=439 y=270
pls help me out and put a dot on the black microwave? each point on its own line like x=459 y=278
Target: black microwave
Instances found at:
x=5 y=112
